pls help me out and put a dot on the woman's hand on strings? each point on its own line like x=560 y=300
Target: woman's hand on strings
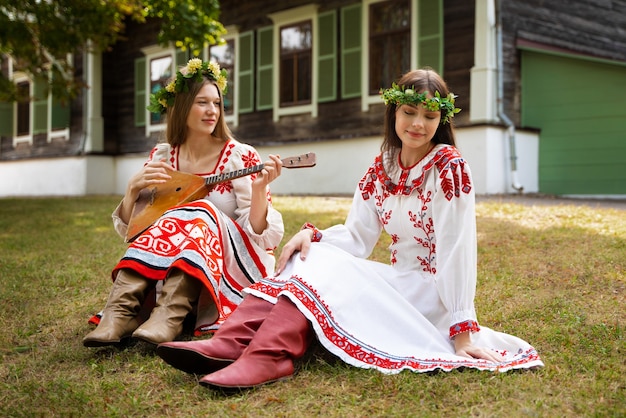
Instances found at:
x=259 y=202
x=154 y=172
x=271 y=171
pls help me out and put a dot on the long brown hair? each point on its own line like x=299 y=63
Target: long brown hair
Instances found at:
x=176 y=129
x=423 y=79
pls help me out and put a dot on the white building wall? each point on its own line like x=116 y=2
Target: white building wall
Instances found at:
x=488 y=151
x=43 y=177
x=340 y=165
x=98 y=178
x=527 y=145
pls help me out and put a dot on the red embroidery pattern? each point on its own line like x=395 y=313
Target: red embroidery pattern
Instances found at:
x=317 y=235
x=368 y=184
x=393 y=257
x=169 y=236
x=225 y=187
x=226 y=152
x=192 y=238
x=367 y=356
x=155 y=149
x=466 y=326
x=452 y=169
x=380 y=199
x=385 y=216
x=425 y=225
x=249 y=159
x=453 y=174
x=173 y=157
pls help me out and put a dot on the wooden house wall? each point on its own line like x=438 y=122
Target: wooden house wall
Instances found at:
x=590 y=27
x=343 y=119
x=121 y=136
x=594 y=28
x=40 y=147
x=458 y=26
x=338 y=119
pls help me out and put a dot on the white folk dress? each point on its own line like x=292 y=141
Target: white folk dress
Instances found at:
x=402 y=315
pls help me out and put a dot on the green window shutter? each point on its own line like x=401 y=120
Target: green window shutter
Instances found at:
x=6 y=119
x=430 y=34
x=245 y=80
x=265 y=70
x=351 y=51
x=40 y=107
x=141 y=99
x=60 y=115
x=327 y=64
x=181 y=59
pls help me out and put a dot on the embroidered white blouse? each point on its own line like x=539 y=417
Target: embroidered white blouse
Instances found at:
x=428 y=210
x=232 y=197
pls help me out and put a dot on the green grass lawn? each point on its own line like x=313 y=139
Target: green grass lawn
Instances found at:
x=552 y=275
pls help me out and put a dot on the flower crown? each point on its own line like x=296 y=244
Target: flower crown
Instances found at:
x=400 y=95
x=195 y=69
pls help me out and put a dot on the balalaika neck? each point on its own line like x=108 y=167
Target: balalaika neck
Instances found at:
x=219 y=178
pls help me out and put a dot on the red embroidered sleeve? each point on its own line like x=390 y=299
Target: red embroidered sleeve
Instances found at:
x=464 y=326
x=317 y=235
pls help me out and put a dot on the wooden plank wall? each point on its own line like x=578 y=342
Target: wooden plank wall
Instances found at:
x=594 y=28
x=583 y=26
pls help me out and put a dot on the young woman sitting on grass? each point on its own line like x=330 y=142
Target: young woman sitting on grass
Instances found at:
x=204 y=253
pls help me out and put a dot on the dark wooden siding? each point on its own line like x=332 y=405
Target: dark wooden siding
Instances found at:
x=121 y=136
x=40 y=147
x=342 y=119
x=458 y=24
x=337 y=119
x=590 y=27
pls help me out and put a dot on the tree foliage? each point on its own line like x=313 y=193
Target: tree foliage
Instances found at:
x=41 y=35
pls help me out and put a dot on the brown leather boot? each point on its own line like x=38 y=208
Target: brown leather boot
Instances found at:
x=180 y=291
x=226 y=345
x=119 y=317
x=283 y=337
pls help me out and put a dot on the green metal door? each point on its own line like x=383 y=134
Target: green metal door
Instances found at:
x=580 y=107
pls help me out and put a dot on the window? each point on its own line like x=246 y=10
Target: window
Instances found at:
x=306 y=57
x=295 y=64
x=160 y=73
x=23 y=109
x=390 y=42
x=288 y=56
x=399 y=35
x=152 y=72
x=224 y=55
x=35 y=113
